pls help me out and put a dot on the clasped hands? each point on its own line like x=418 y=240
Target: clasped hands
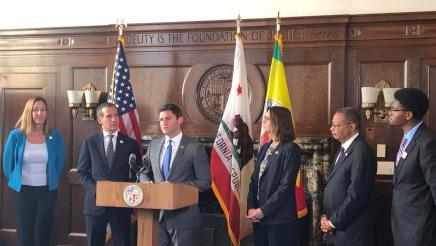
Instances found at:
x=325 y=224
x=255 y=214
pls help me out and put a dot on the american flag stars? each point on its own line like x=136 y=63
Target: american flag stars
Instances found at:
x=121 y=95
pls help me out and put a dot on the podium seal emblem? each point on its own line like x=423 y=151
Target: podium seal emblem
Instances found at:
x=133 y=195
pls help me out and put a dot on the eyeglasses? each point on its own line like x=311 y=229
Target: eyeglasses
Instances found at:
x=338 y=125
x=397 y=110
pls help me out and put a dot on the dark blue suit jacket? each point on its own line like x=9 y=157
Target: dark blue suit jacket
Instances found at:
x=414 y=195
x=349 y=196
x=93 y=167
x=277 y=184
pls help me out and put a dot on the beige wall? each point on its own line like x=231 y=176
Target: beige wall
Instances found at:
x=47 y=13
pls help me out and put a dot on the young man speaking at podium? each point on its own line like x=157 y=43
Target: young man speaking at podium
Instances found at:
x=105 y=156
x=175 y=158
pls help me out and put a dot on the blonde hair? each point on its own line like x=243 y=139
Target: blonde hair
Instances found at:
x=25 y=122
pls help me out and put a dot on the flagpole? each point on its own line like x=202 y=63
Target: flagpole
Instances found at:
x=237 y=36
x=278 y=22
x=118 y=25
x=238 y=25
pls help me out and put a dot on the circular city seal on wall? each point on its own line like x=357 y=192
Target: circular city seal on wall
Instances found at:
x=213 y=90
x=133 y=195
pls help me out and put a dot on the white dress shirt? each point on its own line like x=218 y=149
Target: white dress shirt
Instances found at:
x=106 y=140
x=174 y=147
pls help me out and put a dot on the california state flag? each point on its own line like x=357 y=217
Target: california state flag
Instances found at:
x=232 y=153
x=277 y=95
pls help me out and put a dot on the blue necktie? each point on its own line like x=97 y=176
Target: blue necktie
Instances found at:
x=167 y=161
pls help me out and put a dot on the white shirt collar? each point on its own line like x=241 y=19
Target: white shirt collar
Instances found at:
x=347 y=143
x=105 y=134
x=176 y=139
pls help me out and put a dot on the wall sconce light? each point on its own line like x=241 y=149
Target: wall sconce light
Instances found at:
x=369 y=101
x=76 y=103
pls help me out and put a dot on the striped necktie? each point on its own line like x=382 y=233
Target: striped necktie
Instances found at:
x=401 y=150
x=110 y=154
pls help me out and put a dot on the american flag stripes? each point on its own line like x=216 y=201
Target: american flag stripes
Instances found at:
x=121 y=94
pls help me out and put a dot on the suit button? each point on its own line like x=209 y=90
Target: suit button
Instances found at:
x=325 y=188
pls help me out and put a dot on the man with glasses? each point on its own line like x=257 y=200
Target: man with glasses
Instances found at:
x=413 y=214
x=349 y=193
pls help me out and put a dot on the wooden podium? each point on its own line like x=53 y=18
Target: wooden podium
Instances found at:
x=155 y=197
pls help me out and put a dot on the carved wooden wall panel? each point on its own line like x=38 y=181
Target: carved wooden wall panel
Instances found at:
x=154 y=87
x=428 y=74
x=308 y=87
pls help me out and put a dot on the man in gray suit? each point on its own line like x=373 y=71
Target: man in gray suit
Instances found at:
x=349 y=193
x=413 y=214
x=175 y=158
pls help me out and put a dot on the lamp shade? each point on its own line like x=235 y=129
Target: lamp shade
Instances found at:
x=92 y=98
x=74 y=98
x=369 y=96
x=388 y=94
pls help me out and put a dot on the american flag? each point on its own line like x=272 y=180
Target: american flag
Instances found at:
x=121 y=94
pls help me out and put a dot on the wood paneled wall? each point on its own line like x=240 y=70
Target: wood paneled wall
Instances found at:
x=327 y=59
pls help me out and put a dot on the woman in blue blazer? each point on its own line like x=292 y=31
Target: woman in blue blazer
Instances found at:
x=271 y=197
x=33 y=162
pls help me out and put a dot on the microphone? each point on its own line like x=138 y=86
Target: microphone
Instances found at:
x=132 y=162
x=134 y=166
x=144 y=161
x=145 y=169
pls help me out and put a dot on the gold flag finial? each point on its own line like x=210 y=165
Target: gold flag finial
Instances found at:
x=120 y=25
x=278 y=22
x=238 y=24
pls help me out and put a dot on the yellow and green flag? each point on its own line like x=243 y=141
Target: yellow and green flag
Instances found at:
x=277 y=95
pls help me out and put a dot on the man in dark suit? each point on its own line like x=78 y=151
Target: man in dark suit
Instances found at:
x=105 y=156
x=349 y=193
x=413 y=214
x=175 y=158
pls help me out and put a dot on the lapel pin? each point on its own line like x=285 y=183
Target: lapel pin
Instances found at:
x=121 y=141
x=277 y=152
x=404 y=155
x=50 y=137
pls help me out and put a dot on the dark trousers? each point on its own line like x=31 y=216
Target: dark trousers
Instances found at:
x=34 y=207
x=119 y=221
x=179 y=237
x=275 y=235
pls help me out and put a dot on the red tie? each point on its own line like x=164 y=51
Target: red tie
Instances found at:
x=401 y=150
